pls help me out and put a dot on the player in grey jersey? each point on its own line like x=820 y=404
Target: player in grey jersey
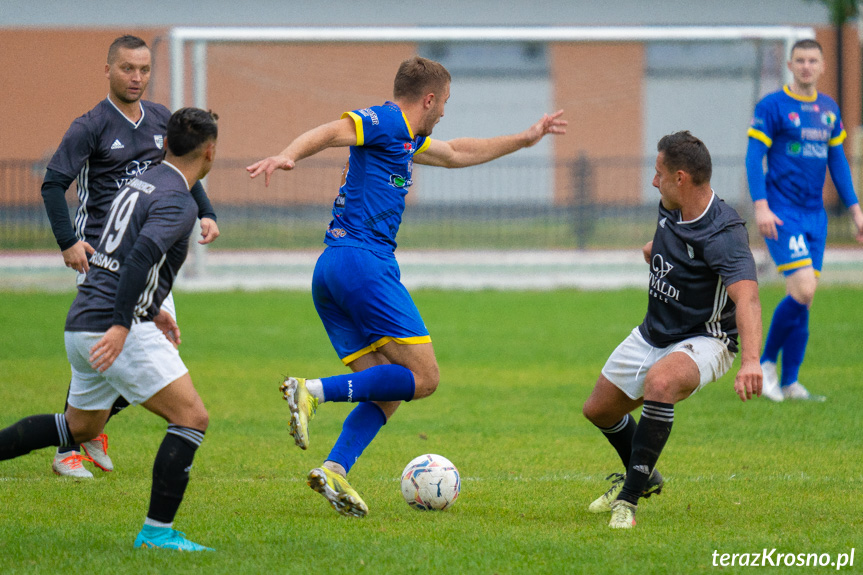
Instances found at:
x=119 y=139
x=703 y=293
x=112 y=342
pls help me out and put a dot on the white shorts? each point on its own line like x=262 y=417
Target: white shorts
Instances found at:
x=147 y=364
x=628 y=364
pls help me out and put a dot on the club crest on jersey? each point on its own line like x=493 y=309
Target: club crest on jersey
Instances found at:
x=659 y=288
x=409 y=147
x=828 y=119
x=660 y=266
x=160 y=140
x=795 y=119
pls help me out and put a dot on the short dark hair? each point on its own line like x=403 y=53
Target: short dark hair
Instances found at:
x=189 y=128
x=127 y=41
x=683 y=151
x=417 y=76
x=807 y=44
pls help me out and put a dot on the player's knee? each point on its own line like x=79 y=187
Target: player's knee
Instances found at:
x=202 y=420
x=661 y=389
x=595 y=413
x=804 y=296
x=426 y=381
x=589 y=411
x=195 y=419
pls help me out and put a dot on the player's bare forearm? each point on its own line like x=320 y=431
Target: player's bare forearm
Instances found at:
x=463 y=152
x=857 y=216
x=333 y=134
x=744 y=294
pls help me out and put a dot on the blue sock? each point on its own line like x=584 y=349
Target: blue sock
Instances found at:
x=379 y=383
x=794 y=350
x=359 y=429
x=786 y=316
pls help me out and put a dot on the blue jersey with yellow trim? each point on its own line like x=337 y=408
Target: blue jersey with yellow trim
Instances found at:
x=798 y=132
x=368 y=210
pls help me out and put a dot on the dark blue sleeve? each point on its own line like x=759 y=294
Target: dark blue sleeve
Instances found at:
x=133 y=279
x=75 y=148
x=205 y=208
x=54 y=196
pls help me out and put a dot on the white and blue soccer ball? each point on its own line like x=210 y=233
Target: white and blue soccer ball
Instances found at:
x=430 y=482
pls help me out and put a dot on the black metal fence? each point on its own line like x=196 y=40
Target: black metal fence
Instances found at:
x=583 y=203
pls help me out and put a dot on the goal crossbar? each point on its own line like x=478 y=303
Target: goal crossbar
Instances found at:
x=198 y=37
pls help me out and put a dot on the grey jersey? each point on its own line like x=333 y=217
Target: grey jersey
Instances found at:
x=691 y=265
x=157 y=206
x=104 y=150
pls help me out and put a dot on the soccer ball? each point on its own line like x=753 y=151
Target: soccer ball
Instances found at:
x=430 y=482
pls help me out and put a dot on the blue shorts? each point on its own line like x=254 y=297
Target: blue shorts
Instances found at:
x=362 y=303
x=801 y=241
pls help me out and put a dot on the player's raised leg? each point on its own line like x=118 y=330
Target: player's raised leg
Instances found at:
x=181 y=406
x=57 y=429
x=365 y=421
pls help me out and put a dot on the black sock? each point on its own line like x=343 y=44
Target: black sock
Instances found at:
x=171 y=471
x=620 y=437
x=118 y=406
x=652 y=432
x=34 y=432
x=71 y=446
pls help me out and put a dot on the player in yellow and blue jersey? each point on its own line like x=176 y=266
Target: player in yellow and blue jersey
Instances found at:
x=368 y=314
x=801 y=132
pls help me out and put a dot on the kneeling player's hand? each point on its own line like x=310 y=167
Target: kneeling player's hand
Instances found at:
x=103 y=354
x=748 y=381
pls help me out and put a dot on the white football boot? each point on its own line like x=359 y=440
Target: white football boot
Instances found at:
x=69 y=464
x=796 y=391
x=770 y=382
x=97 y=450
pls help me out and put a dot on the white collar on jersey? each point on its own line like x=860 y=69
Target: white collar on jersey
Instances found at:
x=173 y=167
x=710 y=203
x=135 y=124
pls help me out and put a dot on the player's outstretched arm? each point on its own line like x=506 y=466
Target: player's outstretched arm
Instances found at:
x=331 y=135
x=463 y=152
x=744 y=294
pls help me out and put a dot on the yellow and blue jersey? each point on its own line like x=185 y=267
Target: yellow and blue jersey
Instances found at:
x=368 y=210
x=798 y=132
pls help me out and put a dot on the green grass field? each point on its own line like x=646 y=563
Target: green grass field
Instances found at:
x=516 y=368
